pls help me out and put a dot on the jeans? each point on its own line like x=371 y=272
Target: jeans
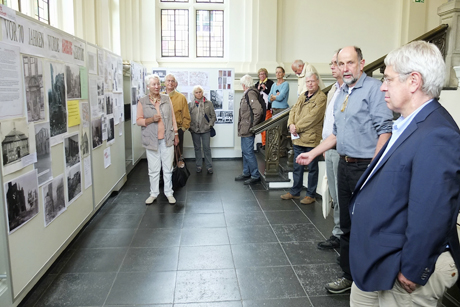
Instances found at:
x=299 y=170
x=347 y=178
x=332 y=165
x=204 y=138
x=250 y=166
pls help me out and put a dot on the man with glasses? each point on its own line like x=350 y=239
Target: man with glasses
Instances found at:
x=301 y=70
x=362 y=125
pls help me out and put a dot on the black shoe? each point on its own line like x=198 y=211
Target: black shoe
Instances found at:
x=331 y=243
x=242 y=177
x=251 y=181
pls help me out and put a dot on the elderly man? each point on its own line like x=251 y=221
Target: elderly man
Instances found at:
x=249 y=115
x=180 y=106
x=332 y=157
x=362 y=125
x=301 y=70
x=403 y=237
x=305 y=124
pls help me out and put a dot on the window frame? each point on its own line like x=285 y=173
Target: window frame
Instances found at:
x=223 y=35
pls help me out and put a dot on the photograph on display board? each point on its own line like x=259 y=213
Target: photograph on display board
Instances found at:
x=181 y=77
x=33 y=84
x=85 y=113
x=73 y=183
x=96 y=125
x=110 y=129
x=92 y=62
x=84 y=141
x=71 y=150
x=134 y=95
x=109 y=103
x=199 y=78
x=224 y=117
x=161 y=73
x=57 y=106
x=230 y=100
x=100 y=86
x=15 y=140
x=53 y=199
x=21 y=200
x=73 y=82
x=217 y=99
x=101 y=104
x=43 y=148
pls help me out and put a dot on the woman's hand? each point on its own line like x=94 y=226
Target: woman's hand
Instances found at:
x=176 y=140
x=272 y=98
x=156 y=118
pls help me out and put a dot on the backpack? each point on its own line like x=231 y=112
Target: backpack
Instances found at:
x=262 y=104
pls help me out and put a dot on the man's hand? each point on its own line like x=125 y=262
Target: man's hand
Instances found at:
x=305 y=158
x=292 y=129
x=408 y=285
x=176 y=140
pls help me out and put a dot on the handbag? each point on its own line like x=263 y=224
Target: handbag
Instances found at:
x=326 y=206
x=180 y=172
x=212 y=131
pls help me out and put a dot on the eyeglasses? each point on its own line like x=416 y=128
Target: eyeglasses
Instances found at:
x=387 y=79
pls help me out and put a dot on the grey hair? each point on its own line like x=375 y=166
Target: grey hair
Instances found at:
x=298 y=63
x=171 y=75
x=312 y=73
x=247 y=81
x=151 y=76
x=424 y=58
x=197 y=87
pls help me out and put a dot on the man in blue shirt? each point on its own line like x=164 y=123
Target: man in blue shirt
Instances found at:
x=362 y=125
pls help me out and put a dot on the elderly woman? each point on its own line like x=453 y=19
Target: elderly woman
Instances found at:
x=264 y=85
x=155 y=114
x=203 y=118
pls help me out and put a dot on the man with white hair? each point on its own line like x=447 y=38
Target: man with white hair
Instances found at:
x=250 y=115
x=301 y=70
x=404 y=243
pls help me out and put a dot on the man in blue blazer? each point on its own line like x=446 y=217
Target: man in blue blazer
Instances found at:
x=404 y=242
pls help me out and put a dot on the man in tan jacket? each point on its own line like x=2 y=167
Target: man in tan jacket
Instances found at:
x=305 y=124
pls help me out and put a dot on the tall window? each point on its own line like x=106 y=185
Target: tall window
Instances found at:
x=209 y=33
x=42 y=11
x=174 y=33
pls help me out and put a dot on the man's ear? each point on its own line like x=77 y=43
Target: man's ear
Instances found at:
x=415 y=81
x=361 y=64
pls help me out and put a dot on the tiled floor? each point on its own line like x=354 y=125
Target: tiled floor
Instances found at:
x=223 y=244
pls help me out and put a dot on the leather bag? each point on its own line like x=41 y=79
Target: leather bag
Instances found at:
x=180 y=172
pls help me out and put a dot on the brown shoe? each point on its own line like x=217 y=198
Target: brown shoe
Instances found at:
x=289 y=196
x=307 y=200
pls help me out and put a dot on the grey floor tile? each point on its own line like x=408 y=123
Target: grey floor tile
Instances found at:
x=89 y=260
x=116 y=221
x=83 y=289
x=197 y=206
x=251 y=234
x=165 y=208
x=100 y=238
x=307 y=253
x=205 y=257
x=159 y=237
x=286 y=217
x=123 y=208
x=245 y=219
x=160 y=220
x=131 y=197
x=241 y=206
x=297 y=233
x=204 y=236
x=336 y=300
x=143 y=288
x=213 y=304
x=150 y=259
x=269 y=283
x=258 y=255
x=278 y=205
x=206 y=286
x=315 y=276
x=40 y=288
x=204 y=220
x=286 y=302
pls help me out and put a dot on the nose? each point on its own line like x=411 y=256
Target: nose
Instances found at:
x=383 y=87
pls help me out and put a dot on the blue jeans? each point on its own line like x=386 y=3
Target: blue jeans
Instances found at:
x=250 y=166
x=299 y=170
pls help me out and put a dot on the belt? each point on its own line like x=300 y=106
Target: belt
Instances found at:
x=354 y=160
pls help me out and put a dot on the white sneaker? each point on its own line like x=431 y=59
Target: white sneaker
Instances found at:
x=171 y=199
x=150 y=200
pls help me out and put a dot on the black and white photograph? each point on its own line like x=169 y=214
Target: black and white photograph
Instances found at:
x=73 y=183
x=217 y=99
x=230 y=100
x=134 y=96
x=100 y=86
x=57 y=106
x=15 y=140
x=21 y=200
x=224 y=117
x=161 y=73
x=73 y=83
x=43 y=148
x=108 y=103
x=72 y=150
x=84 y=141
x=33 y=84
x=53 y=199
x=96 y=125
x=110 y=129
x=101 y=104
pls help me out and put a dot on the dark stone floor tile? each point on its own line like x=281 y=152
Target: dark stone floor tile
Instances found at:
x=100 y=238
x=278 y=205
x=286 y=217
x=213 y=304
x=62 y=260
x=156 y=220
x=245 y=219
x=43 y=284
x=131 y=197
x=297 y=233
x=258 y=255
x=197 y=206
x=137 y=187
x=314 y=277
x=336 y=300
x=237 y=195
x=158 y=208
x=143 y=288
x=123 y=208
x=205 y=257
x=251 y=234
x=204 y=236
x=269 y=282
x=307 y=253
x=206 y=286
x=241 y=206
x=202 y=187
x=315 y=214
x=150 y=259
x=204 y=220
x=159 y=237
x=204 y=197
x=269 y=195
x=286 y=302
x=83 y=289
x=95 y=260
x=116 y=221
